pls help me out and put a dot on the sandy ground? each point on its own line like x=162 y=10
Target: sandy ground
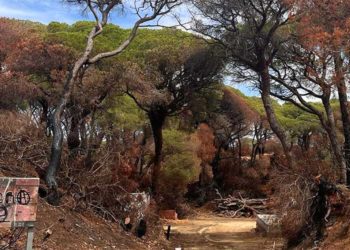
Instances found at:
x=212 y=232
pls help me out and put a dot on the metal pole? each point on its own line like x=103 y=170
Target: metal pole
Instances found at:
x=30 y=238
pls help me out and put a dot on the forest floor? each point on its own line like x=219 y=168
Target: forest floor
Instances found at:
x=208 y=231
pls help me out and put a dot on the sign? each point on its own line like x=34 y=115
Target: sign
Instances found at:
x=18 y=201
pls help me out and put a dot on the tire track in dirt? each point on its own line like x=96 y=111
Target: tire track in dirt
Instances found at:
x=211 y=232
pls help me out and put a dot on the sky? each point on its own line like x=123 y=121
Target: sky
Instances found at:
x=245 y=89
x=46 y=11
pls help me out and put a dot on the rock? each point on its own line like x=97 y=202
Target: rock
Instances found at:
x=268 y=223
x=47 y=234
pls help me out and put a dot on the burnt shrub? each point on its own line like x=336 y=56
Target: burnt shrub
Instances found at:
x=295 y=191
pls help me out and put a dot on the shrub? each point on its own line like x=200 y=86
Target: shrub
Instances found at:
x=205 y=136
x=181 y=166
x=295 y=190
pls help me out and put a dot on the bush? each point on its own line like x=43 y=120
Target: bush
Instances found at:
x=181 y=166
x=295 y=190
x=239 y=177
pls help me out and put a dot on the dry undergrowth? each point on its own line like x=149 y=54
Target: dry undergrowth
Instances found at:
x=295 y=197
x=338 y=230
x=89 y=196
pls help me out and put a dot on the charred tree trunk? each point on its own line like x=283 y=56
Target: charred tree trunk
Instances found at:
x=83 y=135
x=253 y=154
x=57 y=141
x=239 y=148
x=343 y=102
x=320 y=206
x=332 y=134
x=90 y=141
x=73 y=139
x=318 y=210
x=44 y=115
x=257 y=131
x=270 y=113
x=304 y=141
x=157 y=118
x=215 y=164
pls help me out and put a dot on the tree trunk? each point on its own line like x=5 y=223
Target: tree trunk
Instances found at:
x=304 y=141
x=44 y=114
x=90 y=141
x=343 y=102
x=215 y=164
x=83 y=135
x=157 y=119
x=239 y=149
x=73 y=139
x=56 y=147
x=254 y=144
x=332 y=134
x=253 y=154
x=270 y=113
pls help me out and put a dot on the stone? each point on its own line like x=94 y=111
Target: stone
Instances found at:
x=268 y=223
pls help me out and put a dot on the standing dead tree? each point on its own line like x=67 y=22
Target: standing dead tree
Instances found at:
x=146 y=10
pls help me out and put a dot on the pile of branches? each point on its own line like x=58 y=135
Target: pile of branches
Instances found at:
x=23 y=145
x=240 y=207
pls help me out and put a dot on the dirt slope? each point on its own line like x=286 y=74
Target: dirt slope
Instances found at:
x=82 y=230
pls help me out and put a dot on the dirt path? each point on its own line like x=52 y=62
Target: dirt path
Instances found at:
x=211 y=232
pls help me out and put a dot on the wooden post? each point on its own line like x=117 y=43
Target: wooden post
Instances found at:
x=168 y=232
